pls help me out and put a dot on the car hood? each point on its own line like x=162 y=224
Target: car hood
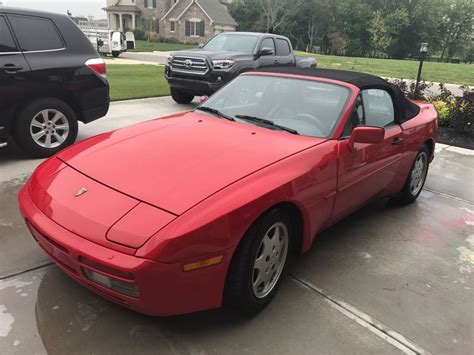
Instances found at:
x=175 y=162
x=211 y=55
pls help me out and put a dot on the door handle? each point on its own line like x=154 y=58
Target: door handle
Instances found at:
x=11 y=68
x=275 y=61
x=397 y=141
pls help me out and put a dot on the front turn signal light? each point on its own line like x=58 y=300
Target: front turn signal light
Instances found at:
x=203 y=263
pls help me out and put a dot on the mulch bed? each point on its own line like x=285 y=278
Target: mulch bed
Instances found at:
x=451 y=137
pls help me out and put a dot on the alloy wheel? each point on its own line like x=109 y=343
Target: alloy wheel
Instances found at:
x=49 y=128
x=270 y=260
x=418 y=173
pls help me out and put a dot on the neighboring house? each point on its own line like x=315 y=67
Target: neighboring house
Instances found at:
x=188 y=21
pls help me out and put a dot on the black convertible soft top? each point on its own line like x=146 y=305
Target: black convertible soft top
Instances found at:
x=405 y=109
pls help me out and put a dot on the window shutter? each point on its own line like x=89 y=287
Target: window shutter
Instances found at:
x=188 y=28
x=202 y=29
x=154 y=4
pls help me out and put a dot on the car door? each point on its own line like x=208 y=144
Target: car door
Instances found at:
x=367 y=170
x=284 y=56
x=13 y=72
x=265 y=61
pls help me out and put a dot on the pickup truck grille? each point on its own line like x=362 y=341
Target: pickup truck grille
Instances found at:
x=189 y=65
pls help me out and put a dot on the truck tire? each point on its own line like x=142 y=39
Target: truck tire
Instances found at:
x=115 y=54
x=181 y=97
x=44 y=127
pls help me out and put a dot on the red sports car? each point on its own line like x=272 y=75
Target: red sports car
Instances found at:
x=196 y=210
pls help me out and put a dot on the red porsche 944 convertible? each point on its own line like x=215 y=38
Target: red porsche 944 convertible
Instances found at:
x=201 y=209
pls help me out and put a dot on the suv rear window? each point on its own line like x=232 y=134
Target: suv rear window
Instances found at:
x=283 y=48
x=35 y=34
x=6 y=40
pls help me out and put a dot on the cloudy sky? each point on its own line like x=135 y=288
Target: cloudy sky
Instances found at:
x=77 y=7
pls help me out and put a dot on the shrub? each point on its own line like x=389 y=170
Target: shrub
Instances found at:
x=139 y=34
x=456 y=112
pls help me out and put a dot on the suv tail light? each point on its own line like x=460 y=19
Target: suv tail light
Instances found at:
x=98 y=66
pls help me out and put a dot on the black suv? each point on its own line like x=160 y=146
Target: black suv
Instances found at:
x=204 y=70
x=51 y=77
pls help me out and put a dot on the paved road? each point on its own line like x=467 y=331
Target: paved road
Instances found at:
x=386 y=280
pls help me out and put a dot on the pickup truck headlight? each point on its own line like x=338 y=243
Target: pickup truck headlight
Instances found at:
x=169 y=59
x=223 y=64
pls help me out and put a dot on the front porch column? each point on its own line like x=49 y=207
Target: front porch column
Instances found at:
x=134 y=24
x=121 y=23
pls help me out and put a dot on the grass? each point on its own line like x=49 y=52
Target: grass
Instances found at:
x=144 y=46
x=136 y=81
x=462 y=74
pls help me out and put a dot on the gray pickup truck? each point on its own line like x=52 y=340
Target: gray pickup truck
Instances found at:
x=205 y=70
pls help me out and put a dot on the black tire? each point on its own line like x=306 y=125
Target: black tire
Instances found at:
x=239 y=290
x=408 y=194
x=115 y=54
x=181 y=97
x=23 y=133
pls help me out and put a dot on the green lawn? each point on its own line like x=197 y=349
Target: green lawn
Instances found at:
x=438 y=72
x=144 y=46
x=136 y=81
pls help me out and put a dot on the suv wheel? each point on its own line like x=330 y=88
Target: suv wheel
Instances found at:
x=181 y=97
x=44 y=127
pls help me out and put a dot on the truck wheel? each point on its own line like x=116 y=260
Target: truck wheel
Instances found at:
x=115 y=54
x=44 y=127
x=181 y=97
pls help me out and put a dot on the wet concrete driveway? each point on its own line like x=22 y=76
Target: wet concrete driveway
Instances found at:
x=386 y=280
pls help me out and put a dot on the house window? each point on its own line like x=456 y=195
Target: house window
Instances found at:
x=194 y=28
x=172 y=25
x=150 y=4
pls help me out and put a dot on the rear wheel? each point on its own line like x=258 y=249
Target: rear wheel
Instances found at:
x=44 y=127
x=416 y=178
x=181 y=97
x=115 y=54
x=256 y=269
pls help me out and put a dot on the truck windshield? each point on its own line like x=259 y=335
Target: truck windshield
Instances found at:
x=305 y=107
x=232 y=43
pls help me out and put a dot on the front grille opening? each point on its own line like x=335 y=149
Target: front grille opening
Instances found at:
x=190 y=65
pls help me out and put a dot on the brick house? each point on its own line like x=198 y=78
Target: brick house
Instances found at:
x=187 y=21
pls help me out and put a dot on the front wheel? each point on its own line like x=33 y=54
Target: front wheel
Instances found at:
x=258 y=264
x=181 y=97
x=416 y=178
x=115 y=54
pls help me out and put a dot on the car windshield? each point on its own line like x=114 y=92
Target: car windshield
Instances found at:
x=232 y=43
x=306 y=107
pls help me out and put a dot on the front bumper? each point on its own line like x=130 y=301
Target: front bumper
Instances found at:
x=164 y=289
x=198 y=85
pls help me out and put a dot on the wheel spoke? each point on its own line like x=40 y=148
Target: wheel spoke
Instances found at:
x=47 y=142
x=38 y=135
x=57 y=116
x=45 y=114
x=62 y=126
x=59 y=139
x=36 y=123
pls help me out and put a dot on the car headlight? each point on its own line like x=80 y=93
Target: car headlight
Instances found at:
x=169 y=59
x=223 y=64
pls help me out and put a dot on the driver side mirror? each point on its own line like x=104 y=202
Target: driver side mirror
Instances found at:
x=366 y=134
x=200 y=45
x=266 y=51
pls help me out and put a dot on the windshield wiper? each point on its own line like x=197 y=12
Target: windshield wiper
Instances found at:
x=266 y=122
x=215 y=112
